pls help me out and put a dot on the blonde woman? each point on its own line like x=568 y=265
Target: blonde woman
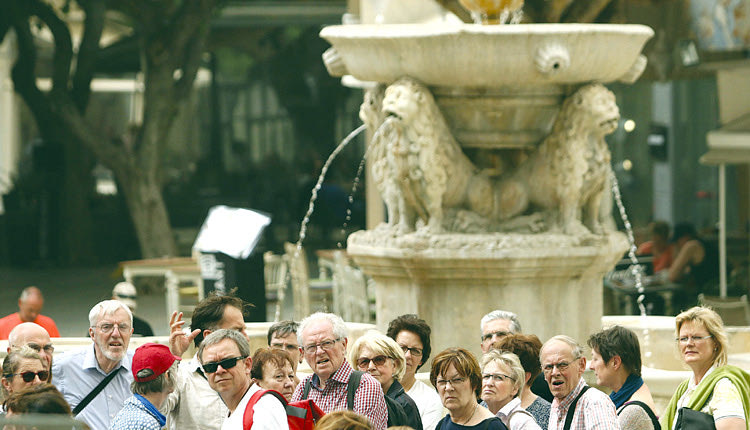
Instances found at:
x=382 y=357
x=503 y=380
x=716 y=388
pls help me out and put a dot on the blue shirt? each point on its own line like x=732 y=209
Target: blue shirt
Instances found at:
x=76 y=373
x=138 y=414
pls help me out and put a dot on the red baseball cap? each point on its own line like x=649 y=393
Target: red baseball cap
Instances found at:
x=152 y=356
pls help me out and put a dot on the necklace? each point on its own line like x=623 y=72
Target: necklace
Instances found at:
x=476 y=405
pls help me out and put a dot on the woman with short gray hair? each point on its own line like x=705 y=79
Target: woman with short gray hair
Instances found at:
x=154 y=372
x=503 y=379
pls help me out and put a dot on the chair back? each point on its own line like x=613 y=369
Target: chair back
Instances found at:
x=275 y=271
x=735 y=311
x=350 y=298
x=300 y=279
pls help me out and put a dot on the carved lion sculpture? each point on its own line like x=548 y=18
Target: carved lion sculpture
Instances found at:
x=418 y=166
x=569 y=173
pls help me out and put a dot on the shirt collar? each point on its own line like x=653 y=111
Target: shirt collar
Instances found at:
x=148 y=406
x=508 y=408
x=89 y=361
x=193 y=364
x=341 y=376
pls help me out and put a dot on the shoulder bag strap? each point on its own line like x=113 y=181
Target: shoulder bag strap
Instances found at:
x=90 y=396
x=306 y=389
x=351 y=388
x=648 y=410
x=572 y=409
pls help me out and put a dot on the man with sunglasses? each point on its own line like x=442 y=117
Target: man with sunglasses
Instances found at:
x=35 y=337
x=575 y=402
x=226 y=362
x=95 y=380
x=498 y=324
x=323 y=337
x=194 y=405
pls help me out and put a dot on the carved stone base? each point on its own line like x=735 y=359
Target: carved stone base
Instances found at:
x=552 y=281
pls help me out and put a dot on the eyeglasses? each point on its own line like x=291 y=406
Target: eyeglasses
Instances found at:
x=125 y=296
x=29 y=376
x=561 y=366
x=442 y=383
x=695 y=339
x=488 y=336
x=107 y=328
x=225 y=364
x=496 y=377
x=364 y=362
x=48 y=348
x=326 y=345
x=415 y=352
x=285 y=346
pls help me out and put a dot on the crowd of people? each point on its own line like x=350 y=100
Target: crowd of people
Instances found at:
x=519 y=383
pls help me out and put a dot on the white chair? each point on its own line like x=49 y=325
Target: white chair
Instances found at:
x=304 y=289
x=275 y=271
x=735 y=311
x=350 y=295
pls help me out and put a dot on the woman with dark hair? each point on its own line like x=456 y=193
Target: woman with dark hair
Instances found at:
x=273 y=369
x=413 y=336
x=455 y=373
x=527 y=347
x=37 y=399
x=716 y=388
x=616 y=362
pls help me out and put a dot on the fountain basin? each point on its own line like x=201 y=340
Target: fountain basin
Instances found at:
x=498 y=86
x=470 y=55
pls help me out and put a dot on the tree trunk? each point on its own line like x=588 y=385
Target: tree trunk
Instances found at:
x=149 y=214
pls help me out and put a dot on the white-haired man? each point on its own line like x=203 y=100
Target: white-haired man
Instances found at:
x=323 y=338
x=585 y=408
x=105 y=365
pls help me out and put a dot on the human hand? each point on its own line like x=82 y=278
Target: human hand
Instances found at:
x=179 y=341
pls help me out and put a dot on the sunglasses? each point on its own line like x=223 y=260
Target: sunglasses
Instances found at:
x=363 y=362
x=29 y=376
x=225 y=364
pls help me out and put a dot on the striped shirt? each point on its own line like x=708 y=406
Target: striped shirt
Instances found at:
x=368 y=399
x=594 y=410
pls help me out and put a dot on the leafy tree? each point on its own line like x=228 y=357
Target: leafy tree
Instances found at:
x=169 y=36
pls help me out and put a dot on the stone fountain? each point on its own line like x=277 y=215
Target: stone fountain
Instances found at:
x=488 y=148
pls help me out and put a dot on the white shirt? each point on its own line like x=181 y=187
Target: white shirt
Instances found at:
x=515 y=417
x=193 y=405
x=268 y=413
x=428 y=402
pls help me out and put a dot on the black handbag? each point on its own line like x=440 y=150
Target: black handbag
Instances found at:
x=689 y=419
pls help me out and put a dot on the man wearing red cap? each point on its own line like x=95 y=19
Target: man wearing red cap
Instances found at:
x=154 y=378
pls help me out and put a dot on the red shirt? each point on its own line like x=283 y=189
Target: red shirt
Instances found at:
x=9 y=322
x=661 y=261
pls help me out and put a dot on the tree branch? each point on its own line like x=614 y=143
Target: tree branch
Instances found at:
x=63 y=45
x=88 y=52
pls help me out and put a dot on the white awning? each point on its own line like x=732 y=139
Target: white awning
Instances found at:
x=729 y=144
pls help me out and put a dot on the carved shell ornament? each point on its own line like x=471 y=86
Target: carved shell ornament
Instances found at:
x=552 y=58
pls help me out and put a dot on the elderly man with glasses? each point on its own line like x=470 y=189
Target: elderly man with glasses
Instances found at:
x=576 y=406
x=95 y=380
x=323 y=338
x=35 y=337
x=226 y=362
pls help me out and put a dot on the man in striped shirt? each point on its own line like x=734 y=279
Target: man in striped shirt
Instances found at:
x=563 y=364
x=323 y=337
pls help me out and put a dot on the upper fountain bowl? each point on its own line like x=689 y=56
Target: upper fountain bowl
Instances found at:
x=490 y=56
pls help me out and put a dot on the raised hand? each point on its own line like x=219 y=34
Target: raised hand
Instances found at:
x=179 y=342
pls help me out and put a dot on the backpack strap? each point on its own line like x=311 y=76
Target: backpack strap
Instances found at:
x=572 y=409
x=654 y=420
x=247 y=416
x=306 y=388
x=351 y=388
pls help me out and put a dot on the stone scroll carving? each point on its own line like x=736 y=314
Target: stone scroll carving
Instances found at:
x=430 y=185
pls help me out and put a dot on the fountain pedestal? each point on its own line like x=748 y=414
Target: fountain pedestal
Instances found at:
x=553 y=282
